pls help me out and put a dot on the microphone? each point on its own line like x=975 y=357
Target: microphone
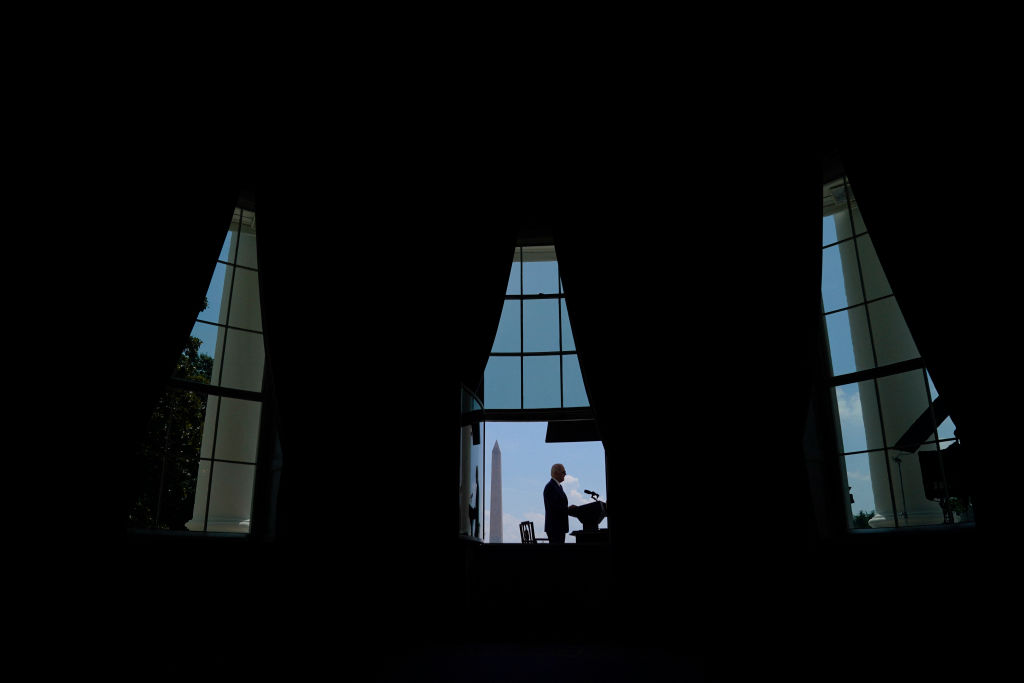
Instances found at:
x=591 y=493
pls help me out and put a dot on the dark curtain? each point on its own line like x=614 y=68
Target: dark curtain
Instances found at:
x=918 y=198
x=924 y=242
x=692 y=281
x=174 y=244
x=382 y=286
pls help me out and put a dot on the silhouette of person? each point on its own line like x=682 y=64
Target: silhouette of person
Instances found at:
x=556 y=507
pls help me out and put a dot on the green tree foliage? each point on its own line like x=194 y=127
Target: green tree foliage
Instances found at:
x=170 y=448
x=861 y=520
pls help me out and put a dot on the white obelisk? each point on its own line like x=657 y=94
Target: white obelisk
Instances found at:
x=496 y=516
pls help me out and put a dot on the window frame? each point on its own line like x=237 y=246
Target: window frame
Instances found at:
x=876 y=372
x=266 y=435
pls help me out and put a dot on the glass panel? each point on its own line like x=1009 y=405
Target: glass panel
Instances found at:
x=876 y=285
x=843 y=329
x=216 y=295
x=515 y=273
x=507 y=339
x=245 y=301
x=238 y=430
x=540 y=277
x=904 y=399
x=574 y=393
x=851 y=417
x=197 y=360
x=540 y=325
x=227 y=251
x=858 y=478
x=169 y=461
x=852 y=289
x=842 y=219
x=541 y=382
x=838 y=291
x=828 y=230
x=540 y=270
x=230 y=497
x=247 y=241
x=947 y=430
x=242 y=367
x=893 y=342
x=568 y=343
x=503 y=382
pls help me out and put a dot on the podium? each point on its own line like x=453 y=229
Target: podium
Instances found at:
x=590 y=515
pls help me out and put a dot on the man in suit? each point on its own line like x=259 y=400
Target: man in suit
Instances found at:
x=556 y=506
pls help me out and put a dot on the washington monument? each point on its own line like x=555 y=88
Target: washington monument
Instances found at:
x=495 y=531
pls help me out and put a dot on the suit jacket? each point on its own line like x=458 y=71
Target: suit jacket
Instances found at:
x=556 y=509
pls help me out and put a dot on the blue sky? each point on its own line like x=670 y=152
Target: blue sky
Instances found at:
x=526 y=462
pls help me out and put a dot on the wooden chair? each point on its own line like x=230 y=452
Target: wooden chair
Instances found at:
x=526 y=533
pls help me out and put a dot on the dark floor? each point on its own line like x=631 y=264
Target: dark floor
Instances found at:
x=533 y=663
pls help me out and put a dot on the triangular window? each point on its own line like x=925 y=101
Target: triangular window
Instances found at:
x=533 y=363
x=200 y=449
x=891 y=421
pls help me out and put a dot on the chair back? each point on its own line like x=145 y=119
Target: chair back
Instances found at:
x=526 y=533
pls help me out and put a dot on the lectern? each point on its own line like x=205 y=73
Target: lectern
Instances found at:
x=590 y=515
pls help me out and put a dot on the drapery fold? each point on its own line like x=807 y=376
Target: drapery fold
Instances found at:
x=695 y=311
x=369 y=313
x=925 y=242
x=927 y=205
x=175 y=249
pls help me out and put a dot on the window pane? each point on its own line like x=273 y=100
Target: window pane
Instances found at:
x=840 y=287
x=238 y=430
x=947 y=430
x=574 y=394
x=568 y=343
x=540 y=270
x=893 y=342
x=858 y=478
x=245 y=301
x=540 y=325
x=227 y=252
x=230 y=498
x=201 y=365
x=507 y=339
x=876 y=285
x=541 y=388
x=828 y=230
x=502 y=382
x=851 y=417
x=247 y=241
x=843 y=329
x=540 y=277
x=242 y=366
x=904 y=398
x=514 y=276
x=843 y=229
x=215 y=295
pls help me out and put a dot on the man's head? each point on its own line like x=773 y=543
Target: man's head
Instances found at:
x=558 y=472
